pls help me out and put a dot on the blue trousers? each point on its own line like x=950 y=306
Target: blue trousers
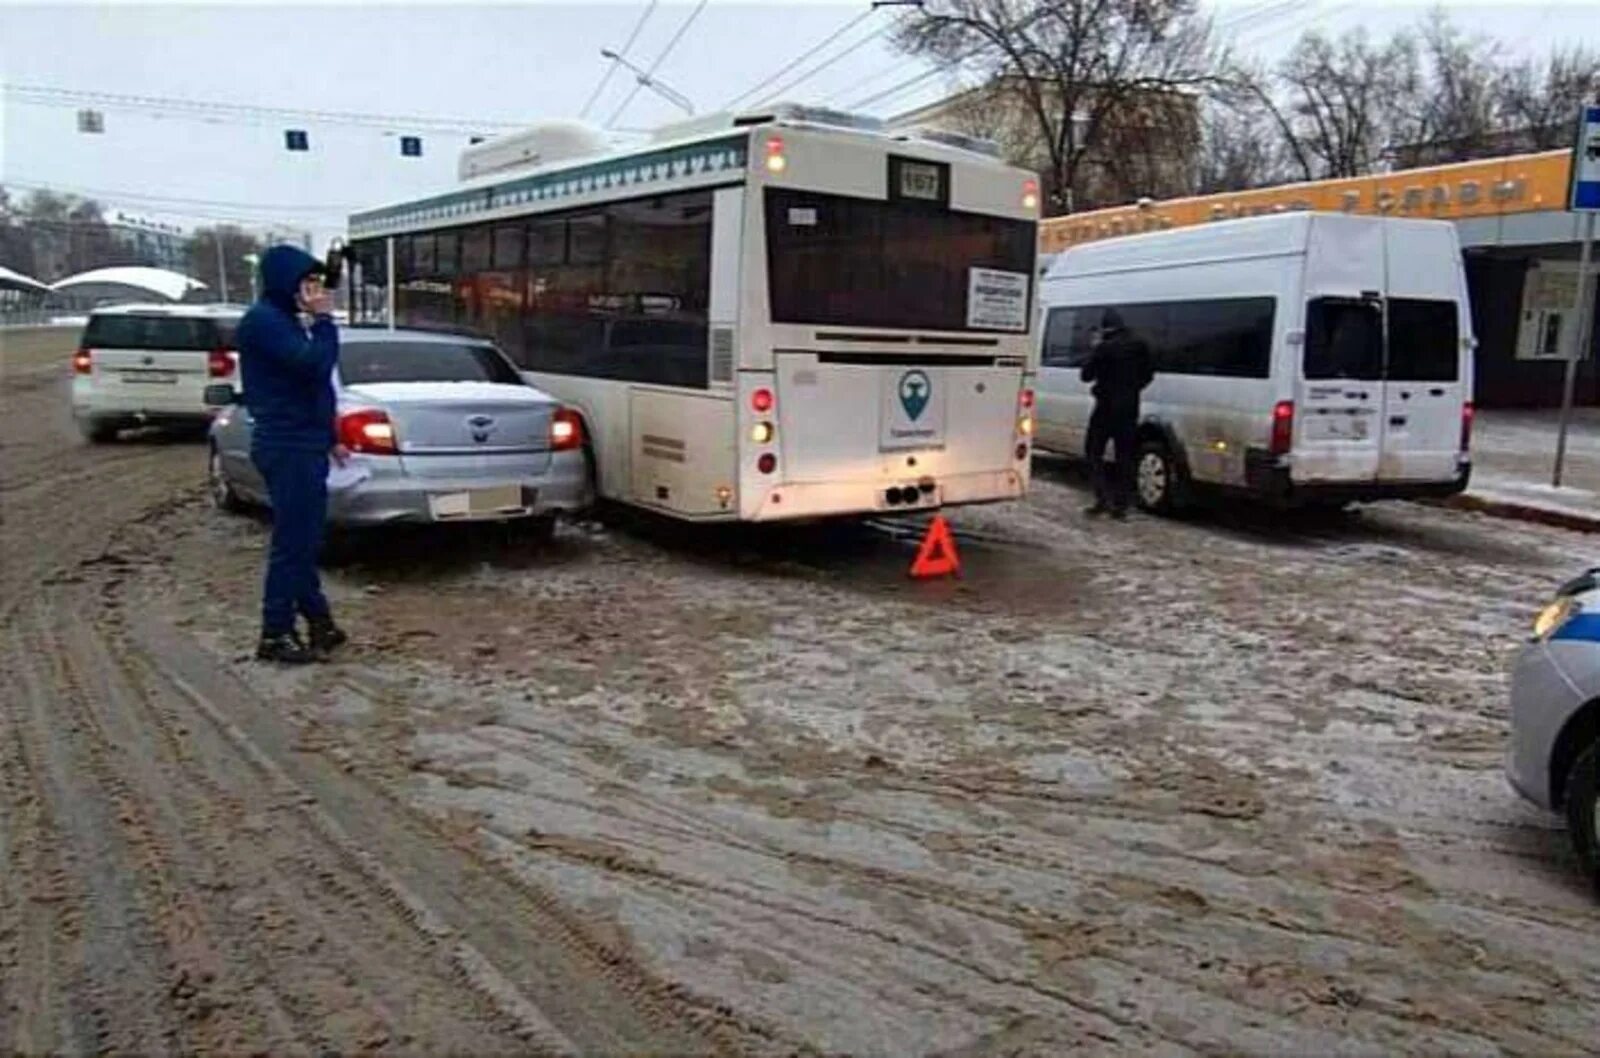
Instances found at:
x=297 y=483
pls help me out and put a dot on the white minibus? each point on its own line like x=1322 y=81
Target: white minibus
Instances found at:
x=1303 y=358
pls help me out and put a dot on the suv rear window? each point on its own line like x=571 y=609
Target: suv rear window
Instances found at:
x=153 y=332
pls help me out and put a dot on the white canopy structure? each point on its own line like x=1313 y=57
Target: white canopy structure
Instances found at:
x=10 y=280
x=114 y=282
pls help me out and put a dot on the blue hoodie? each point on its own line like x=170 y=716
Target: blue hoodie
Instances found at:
x=287 y=371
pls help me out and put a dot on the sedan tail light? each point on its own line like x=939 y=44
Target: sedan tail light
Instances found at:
x=82 y=362
x=566 y=430
x=221 y=363
x=367 y=430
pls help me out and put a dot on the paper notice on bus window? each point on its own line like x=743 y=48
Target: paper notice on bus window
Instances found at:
x=997 y=301
x=802 y=218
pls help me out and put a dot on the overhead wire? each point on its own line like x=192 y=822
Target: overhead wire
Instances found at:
x=802 y=57
x=656 y=65
x=611 y=67
x=826 y=64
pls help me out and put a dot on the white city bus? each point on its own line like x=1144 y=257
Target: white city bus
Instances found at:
x=790 y=314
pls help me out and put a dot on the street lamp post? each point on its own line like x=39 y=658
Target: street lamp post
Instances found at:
x=252 y=261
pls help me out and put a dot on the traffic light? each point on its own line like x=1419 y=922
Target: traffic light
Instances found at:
x=91 y=121
x=411 y=146
x=296 y=140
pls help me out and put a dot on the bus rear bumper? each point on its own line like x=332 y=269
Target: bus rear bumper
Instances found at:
x=784 y=502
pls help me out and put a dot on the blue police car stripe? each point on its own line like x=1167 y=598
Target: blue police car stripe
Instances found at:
x=1580 y=626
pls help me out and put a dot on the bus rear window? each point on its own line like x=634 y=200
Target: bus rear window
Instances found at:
x=855 y=262
x=1424 y=341
x=1344 y=339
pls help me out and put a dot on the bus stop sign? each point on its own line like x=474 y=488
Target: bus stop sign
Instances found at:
x=1586 y=163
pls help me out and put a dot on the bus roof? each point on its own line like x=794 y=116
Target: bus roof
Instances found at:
x=710 y=150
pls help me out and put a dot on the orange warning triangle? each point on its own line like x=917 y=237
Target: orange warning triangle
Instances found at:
x=937 y=555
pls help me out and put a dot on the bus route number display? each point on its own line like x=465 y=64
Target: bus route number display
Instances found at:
x=919 y=182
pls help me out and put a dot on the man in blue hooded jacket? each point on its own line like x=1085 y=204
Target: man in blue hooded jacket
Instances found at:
x=287 y=367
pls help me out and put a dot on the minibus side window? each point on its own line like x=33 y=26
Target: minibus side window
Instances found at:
x=1344 y=339
x=1069 y=336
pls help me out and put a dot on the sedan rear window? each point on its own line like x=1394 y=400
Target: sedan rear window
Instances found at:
x=151 y=332
x=366 y=362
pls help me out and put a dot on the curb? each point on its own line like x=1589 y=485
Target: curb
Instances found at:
x=1524 y=512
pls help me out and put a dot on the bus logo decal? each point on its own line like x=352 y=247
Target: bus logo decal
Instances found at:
x=915 y=389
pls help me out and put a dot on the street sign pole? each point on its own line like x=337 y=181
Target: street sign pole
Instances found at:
x=1583 y=197
x=1580 y=310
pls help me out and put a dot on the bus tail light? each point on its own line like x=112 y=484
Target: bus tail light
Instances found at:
x=777 y=161
x=1467 y=413
x=761 y=433
x=566 y=430
x=82 y=362
x=762 y=401
x=1282 y=427
x=367 y=430
x=1030 y=195
x=767 y=463
x=1025 y=413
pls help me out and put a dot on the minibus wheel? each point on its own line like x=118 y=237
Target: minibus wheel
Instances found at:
x=1160 y=483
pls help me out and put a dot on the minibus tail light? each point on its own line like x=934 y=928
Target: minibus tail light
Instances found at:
x=1282 y=427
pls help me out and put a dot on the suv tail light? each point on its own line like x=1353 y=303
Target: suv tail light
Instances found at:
x=220 y=363
x=82 y=362
x=1467 y=413
x=566 y=430
x=367 y=430
x=1282 y=427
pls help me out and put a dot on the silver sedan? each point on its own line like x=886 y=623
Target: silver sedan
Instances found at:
x=1554 y=756
x=441 y=428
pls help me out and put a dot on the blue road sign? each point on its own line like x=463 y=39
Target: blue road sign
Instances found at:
x=1585 y=195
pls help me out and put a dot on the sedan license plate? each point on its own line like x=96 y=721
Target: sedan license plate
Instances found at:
x=146 y=378
x=479 y=503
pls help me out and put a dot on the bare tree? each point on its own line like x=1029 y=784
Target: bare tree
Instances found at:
x=1542 y=98
x=1078 y=69
x=1239 y=147
x=1459 y=113
x=234 y=243
x=1339 y=104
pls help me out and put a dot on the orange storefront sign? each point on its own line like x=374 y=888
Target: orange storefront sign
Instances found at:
x=1523 y=183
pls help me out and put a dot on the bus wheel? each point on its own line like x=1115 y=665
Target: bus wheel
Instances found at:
x=1160 y=484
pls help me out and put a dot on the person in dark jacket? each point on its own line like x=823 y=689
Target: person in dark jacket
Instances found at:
x=1119 y=367
x=288 y=346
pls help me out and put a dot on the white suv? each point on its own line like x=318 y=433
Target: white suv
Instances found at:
x=151 y=364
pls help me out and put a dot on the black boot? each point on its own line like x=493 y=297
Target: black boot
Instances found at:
x=326 y=637
x=285 y=648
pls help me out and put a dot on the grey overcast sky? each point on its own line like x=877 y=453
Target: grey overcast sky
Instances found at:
x=483 y=62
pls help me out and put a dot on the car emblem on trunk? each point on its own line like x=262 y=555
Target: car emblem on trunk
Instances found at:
x=482 y=426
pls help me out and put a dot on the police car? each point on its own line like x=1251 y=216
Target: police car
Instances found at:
x=1554 y=756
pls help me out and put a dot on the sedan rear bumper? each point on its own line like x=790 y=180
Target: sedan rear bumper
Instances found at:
x=387 y=499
